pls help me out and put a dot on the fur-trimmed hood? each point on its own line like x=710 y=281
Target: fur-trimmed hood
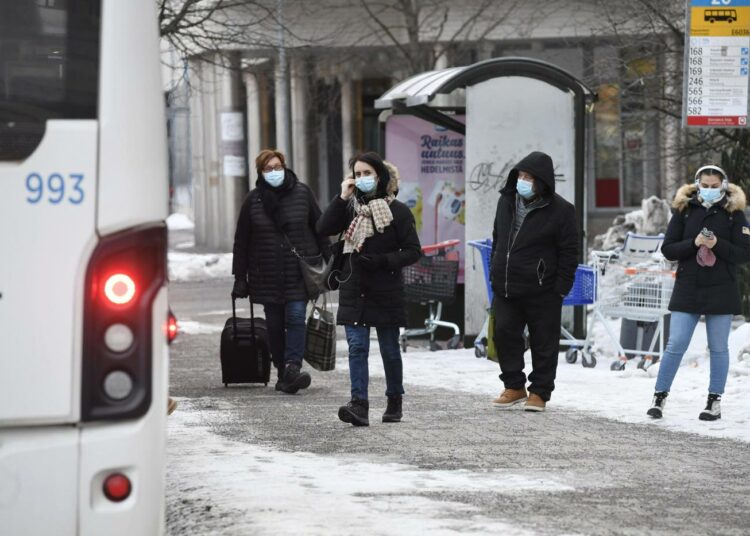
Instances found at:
x=735 y=198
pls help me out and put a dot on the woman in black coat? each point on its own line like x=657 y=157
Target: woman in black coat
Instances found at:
x=709 y=236
x=280 y=213
x=380 y=238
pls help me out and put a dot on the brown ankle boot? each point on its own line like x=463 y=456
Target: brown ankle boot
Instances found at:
x=534 y=403
x=510 y=397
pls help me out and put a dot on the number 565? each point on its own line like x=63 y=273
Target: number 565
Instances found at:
x=55 y=187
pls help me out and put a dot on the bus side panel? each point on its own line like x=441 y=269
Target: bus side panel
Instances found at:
x=135 y=448
x=47 y=211
x=133 y=181
x=38 y=481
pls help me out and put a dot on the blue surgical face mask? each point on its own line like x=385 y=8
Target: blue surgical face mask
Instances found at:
x=525 y=189
x=274 y=178
x=366 y=184
x=710 y=195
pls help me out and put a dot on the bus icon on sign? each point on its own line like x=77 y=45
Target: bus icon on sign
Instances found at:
x=720 y=15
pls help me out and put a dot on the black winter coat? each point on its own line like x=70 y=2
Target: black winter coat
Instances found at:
x=703 y=289
x=374 y=298
x=543 y=256
x=261 y=251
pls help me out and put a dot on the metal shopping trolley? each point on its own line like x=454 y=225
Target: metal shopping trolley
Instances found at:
x=431 y=281
x=635 y=293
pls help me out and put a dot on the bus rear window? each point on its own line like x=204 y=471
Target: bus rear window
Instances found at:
x=49 y=66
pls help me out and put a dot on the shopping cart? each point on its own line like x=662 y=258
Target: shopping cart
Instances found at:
x=635 y=293
x=484 y=247
x=582 y=293
x=431 y=281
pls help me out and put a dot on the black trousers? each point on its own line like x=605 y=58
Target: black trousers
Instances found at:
x=542 y=315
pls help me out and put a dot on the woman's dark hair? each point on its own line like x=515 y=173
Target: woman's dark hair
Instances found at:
x=376 y=161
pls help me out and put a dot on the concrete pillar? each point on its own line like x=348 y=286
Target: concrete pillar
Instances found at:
x=671 y=141
x=211 y=100
x=281 y=94
x=198 y=177
x=253 y=125
x=231 y=138
x=347 y=121
x=299 y=119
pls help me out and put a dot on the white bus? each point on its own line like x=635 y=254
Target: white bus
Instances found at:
x=83 y=290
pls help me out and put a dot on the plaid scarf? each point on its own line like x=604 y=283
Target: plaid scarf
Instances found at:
x=376 y=215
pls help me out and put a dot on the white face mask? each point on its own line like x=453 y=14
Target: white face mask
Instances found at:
x=274 y=178
x=366 y=184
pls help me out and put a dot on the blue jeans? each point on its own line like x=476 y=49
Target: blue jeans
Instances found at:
x=358 y=339
x=681 y=328
x=286 y=331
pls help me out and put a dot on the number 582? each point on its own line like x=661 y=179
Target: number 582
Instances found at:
x=55 y=189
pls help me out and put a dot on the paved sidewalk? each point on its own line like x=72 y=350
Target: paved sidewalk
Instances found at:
x=620 y=479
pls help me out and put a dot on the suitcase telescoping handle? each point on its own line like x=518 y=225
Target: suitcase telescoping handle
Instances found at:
x=234 y=319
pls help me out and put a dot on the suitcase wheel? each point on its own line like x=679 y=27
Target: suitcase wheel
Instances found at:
x=226 y=385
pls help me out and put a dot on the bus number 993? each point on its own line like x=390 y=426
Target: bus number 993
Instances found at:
x=53 y=190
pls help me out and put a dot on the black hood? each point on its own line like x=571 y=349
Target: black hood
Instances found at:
x=538 y=165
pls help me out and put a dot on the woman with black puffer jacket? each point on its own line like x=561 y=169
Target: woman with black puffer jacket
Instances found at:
x=277 y=217
x=709 y=236
x=380 y=238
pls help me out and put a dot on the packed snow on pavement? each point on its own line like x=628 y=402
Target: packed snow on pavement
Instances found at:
x=284 y=488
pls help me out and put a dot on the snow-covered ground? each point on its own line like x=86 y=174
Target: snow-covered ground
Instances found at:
x=179 y=222
x=365 y=498
x=199 y=267
x=623 y=396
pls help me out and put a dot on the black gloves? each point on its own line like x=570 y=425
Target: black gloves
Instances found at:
x=372 y=262
x=240 y=289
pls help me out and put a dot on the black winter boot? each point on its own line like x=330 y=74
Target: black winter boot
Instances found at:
x=713 y=408
x=657 y=405
x=393 y=410
x=355 y=412
x=279 y=377
x=294 y=379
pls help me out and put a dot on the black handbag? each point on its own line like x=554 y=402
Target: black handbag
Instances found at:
x=315 y=270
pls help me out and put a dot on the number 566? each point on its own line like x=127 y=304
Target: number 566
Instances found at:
x=54 y=188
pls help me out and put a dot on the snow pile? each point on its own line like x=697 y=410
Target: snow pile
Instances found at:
x=624 y=396
x=199 y=267
x=179 y=222
x=191 y=327
x=284 y=488
x=651 y=219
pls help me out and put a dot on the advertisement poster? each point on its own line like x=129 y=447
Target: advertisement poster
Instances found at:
x=430 y=160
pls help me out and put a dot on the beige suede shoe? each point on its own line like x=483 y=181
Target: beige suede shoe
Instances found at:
x=534 y=403
x=509 y=398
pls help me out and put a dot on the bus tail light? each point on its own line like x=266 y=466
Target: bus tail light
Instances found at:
x=119 y=289
x=124 y=275
x=117 y=487
x=171 y=327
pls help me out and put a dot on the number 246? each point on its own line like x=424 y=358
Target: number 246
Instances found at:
x=55 y=186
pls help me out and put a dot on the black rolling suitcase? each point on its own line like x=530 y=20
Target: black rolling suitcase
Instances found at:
x=245 y=352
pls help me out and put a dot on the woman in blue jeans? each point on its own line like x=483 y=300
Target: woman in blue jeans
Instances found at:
x=380 y=238
x=278 y=214
x=709 y=236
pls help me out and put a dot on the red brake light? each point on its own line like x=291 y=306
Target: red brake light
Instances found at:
x=119 y=289
x=171 y=327
x=117 y=487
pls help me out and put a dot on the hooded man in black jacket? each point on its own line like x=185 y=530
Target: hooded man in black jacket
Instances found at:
x=534 y=259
